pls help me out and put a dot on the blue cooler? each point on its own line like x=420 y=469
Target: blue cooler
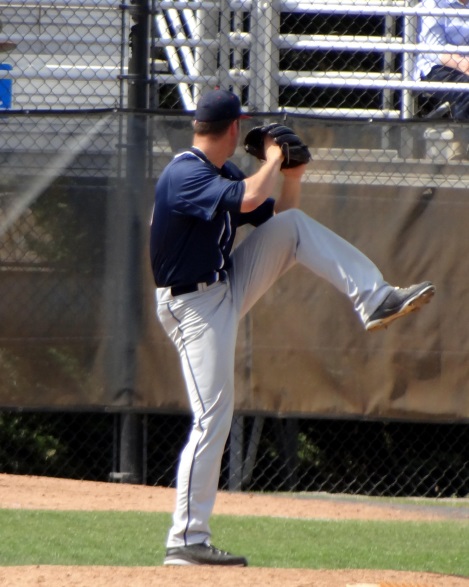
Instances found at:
x=6 y=85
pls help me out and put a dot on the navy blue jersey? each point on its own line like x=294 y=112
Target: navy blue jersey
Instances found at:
x=196 y=213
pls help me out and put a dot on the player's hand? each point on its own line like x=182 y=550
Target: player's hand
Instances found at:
x=272 y=150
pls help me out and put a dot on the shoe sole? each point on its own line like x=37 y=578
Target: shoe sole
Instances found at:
x=182 y=562
x=411 y=305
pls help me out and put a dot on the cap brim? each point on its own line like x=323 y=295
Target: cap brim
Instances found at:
x=245 y=116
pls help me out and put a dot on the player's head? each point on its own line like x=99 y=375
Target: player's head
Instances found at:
x=216 y=111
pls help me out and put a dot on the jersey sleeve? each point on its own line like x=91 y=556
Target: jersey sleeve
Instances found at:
x=258 y=216
x=202 y=191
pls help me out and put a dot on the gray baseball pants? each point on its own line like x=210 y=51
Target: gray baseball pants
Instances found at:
x=203 y=325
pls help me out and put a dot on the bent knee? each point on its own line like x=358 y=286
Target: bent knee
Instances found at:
x=292 y=218
x=292 y=215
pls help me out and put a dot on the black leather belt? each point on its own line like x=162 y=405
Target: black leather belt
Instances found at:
x=179 y=290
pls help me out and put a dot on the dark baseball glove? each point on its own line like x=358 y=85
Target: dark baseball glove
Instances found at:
x=295 y=152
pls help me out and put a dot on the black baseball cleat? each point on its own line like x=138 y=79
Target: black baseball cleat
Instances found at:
x=400 y=301
x=202 y=554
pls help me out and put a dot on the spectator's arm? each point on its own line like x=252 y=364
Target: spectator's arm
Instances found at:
x=456 y=61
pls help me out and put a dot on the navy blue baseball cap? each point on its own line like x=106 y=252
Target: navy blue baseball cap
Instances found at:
x=218 y=105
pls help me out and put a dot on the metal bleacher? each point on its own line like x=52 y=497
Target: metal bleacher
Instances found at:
x=196 y=30
x=67 y=54
x=74 y=53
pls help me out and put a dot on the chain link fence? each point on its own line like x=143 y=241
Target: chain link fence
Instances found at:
x=370 y=458
x=58 y=269
x=61 y=182
x=354 y=59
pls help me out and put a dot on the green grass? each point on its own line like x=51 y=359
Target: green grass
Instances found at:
x=137 y=539
x=424 y=502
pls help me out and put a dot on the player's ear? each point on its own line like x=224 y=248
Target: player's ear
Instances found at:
x=234 y=126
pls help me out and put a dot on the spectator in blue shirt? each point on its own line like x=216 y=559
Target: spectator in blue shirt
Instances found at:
x=442 y=30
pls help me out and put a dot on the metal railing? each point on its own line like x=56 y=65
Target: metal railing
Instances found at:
x=328 y=59
x=65 y=54
x=263 y=78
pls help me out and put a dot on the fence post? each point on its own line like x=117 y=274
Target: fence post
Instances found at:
x=205 y=61
x=236 y=453
x=264 y=56
x=131 y=448
x=408 y=64
x=224 y=49
x=132 y=200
